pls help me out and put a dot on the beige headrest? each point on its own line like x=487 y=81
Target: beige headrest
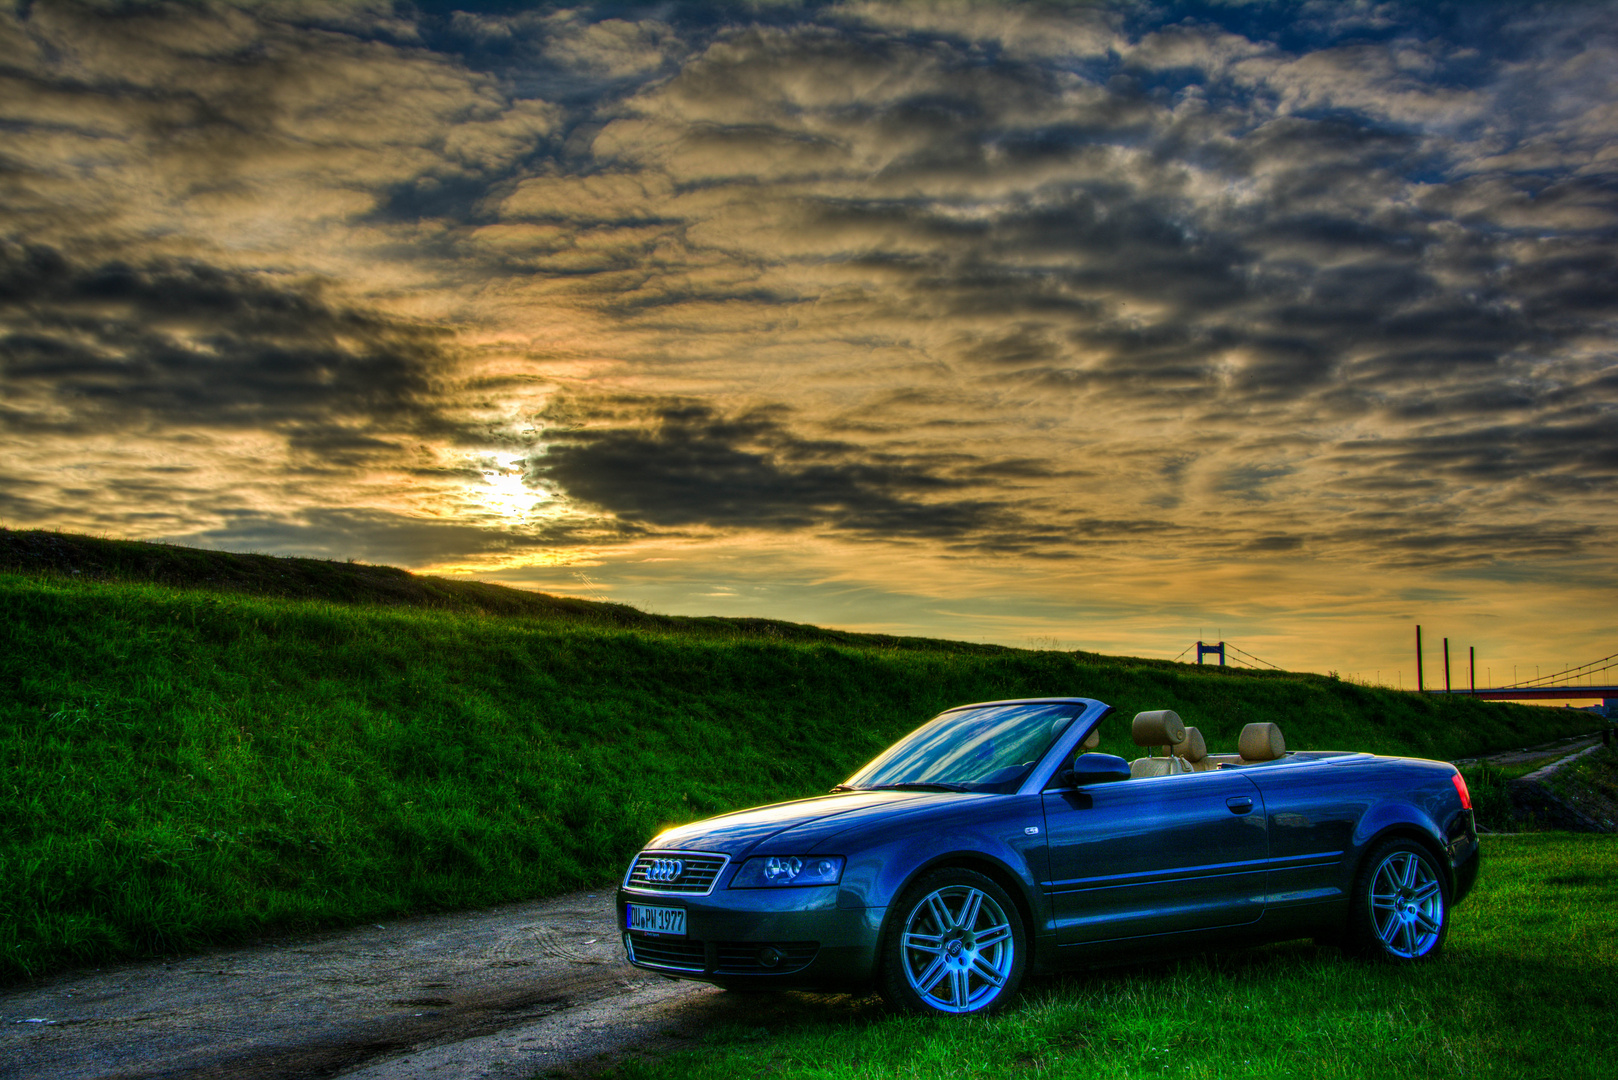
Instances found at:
x=1092 y=740
x=1161 y=728
x=1261 y=742
x=1193 y=747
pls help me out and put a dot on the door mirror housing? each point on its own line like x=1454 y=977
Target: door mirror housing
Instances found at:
x=1095 y=769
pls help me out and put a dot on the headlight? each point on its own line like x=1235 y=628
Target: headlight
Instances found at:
x=769 y=870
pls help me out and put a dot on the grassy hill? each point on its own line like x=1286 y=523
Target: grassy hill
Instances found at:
x=71 y=557
x=182 y=766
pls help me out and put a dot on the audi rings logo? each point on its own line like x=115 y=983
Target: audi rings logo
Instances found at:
x=664 y=871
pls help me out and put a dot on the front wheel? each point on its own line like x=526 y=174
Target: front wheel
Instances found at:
x=957 y=945
x=1401 y=905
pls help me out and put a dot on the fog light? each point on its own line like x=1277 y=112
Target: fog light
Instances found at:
x=768 y=956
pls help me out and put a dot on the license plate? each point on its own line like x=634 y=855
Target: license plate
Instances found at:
x=657 y=920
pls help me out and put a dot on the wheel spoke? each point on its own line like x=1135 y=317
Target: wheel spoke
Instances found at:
x=958 y=981
x=983 y=968
x=925 y=949
x=1389 y=930
x=994 y=935
x=931 y=977
x=1408 y=937
x=1425 y=891
x=940 y=913
x=1427 y=922
x=969 y=909
x=1412 y=864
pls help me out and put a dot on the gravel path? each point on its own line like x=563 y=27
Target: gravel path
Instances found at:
x=502 y=994
x=1545 y=752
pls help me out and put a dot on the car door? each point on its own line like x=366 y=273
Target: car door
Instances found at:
x=1155 y=855
x=1313 y=811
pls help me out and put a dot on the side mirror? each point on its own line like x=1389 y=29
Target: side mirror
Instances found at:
x=1095 y=769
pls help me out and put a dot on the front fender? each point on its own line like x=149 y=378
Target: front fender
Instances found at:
x=878 y=876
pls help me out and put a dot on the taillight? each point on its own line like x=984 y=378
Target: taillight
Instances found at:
x=1460 y=789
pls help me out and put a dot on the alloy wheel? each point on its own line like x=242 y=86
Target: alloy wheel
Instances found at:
x=1407 y=904
x=958 y=949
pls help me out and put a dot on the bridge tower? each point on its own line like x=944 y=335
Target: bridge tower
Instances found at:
x=1211 y=650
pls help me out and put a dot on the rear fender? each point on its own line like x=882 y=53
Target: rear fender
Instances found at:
x=1398 y=816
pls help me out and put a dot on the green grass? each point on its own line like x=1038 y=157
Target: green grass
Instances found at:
x=1491 y=799
x=1591 y=785
x=180 y=768
x=1522 y=991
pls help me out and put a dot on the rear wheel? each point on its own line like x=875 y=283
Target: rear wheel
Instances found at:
x=1401 y=904
x=956 y=945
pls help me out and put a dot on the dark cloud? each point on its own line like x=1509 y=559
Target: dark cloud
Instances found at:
x=184 y=344
x=683 y=465
x=381 y=536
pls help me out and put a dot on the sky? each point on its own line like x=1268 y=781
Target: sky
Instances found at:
x=1103 y=326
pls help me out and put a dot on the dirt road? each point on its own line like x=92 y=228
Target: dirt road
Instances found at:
x=498 y=994
x=1548 y=753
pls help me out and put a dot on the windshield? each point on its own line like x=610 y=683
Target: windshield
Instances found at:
x=984 y=749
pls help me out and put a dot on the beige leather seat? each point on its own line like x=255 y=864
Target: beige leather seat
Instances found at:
x=1193 y=750
x=1257 y=743
x=1261 y=742
x=1162 y=727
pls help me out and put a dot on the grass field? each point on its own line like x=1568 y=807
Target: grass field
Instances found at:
x=185 y=767
x=1522 y=992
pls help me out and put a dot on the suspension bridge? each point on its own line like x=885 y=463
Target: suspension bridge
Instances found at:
x=1561 y=685
x=1590 y=681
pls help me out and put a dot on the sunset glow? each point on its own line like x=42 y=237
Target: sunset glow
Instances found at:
x=1101 y=326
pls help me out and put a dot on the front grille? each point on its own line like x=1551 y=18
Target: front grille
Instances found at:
x=684 y=872
x=741 y=957
x=676 y=954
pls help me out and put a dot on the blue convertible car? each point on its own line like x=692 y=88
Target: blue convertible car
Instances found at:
x=991 y=840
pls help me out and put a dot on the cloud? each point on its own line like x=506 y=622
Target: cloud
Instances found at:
x=380 y=537
x=1120 y=285
x=190 y=345
x=680 y=465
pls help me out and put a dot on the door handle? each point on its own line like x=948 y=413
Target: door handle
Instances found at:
x=1241 y=804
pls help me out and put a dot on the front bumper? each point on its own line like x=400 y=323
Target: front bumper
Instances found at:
x=789 y=938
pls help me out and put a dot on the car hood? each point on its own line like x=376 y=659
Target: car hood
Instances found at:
x=743 y=830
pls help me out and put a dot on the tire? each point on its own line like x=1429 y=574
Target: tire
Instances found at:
x=1400 y=910
x=956 y=945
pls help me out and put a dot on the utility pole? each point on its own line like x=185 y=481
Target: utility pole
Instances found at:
x=1472 y=660
x=1418 y=658
x=1446 y=665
